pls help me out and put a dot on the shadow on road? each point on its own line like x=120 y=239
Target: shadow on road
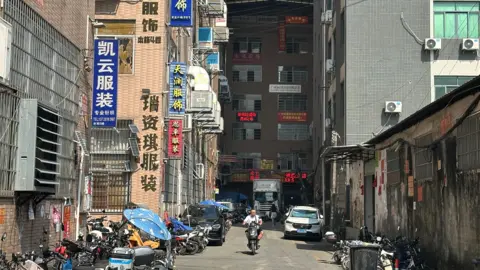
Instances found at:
x=244 y=252
x=323 y=246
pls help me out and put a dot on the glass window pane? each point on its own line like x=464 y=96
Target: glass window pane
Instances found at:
x=464 y=79
x=450 y=88
x=473 y=25
x=439 y=91
x=466 y=6
x=462 y=25
x=450 y=24
x=438 y=25
x=445 y=80
x=444 y=6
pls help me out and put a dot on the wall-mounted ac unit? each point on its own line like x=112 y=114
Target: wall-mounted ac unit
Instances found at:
x=217 y=115
x=201 y=101
x=221 y=34
x=393 y=106
x=199 y=171
x=5 y=50
x=433 y=44
x=216 y=8
x=187 y=122
x=38 y=148
x=326 y=17
x=470 y=44
x=330 y=65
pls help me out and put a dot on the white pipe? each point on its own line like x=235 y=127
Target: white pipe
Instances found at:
x=79 y=190
x=324 y=34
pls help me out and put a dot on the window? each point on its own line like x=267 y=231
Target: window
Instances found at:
x=248 y=160
x=292 y=74
x=292 y=161
x=247 y=45
x=334 y=108
x=247 y=73
x=393 y=166
x=456 y=19
x=247 y=131
x=124 y=31
x=292 y=132
x=292 y=102
x=297 y=45
x=247 y=102
x=423 y=159
x=446 y=84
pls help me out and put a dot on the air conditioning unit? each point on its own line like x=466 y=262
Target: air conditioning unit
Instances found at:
x=187 y=122
x=216 y=8
x=393 y=106
x=330 y=66
x=202 y=3
x=38 y=148
x=221 y=34
x=470 y=44
x=201 y=101
x=5 y=50
x=217 y=115
x=433 y=44
x=326 y=17
x=200 y=170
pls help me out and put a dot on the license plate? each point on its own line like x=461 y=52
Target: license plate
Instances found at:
x=301 y=231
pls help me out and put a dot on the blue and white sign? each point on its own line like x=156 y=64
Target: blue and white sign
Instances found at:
x=205 y=37
x=181 y=13
x=105 y=83
x=213 y=61
x=178 y=88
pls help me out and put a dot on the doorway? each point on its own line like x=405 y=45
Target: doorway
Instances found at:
x=369 y=199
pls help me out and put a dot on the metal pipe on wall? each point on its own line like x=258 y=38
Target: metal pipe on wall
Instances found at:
x=324 y=86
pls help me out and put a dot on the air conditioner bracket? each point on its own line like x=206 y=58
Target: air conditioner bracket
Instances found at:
x=21 y=198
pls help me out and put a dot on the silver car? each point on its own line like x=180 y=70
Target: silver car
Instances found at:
x=304 y=221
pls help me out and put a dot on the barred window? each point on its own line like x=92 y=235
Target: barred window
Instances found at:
x=292 y=74
x=292 y=161
x=247 y=73
x=247 y=103
x=468 y=143
x=423 y=159
x=292 y=102
x=293 y=132
x=247 y=45
x=247 y=131
x=296 y=45
x=248 y=161
x=393 y=166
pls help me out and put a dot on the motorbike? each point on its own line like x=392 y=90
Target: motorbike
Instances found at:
x=142 y=258
x=80 y=255
x=252 y=236
x=199 y=235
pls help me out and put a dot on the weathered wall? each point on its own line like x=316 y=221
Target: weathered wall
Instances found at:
x=355 y=176
x=442 y=209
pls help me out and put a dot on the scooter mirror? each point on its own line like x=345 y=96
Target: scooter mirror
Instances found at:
x=398 y=228
x=379 y=239
x=4 y=236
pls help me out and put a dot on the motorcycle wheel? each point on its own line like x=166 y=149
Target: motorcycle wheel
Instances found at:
x=182 y=251
x=253 y=247
x=337 y=259
x=192 y=249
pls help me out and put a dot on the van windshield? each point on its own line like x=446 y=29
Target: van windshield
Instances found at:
x=263 y=197
x=202 y=212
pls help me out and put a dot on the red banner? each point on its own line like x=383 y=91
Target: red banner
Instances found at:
x=247 y=117
x=296 y=19
x=246 y=58
x=175 y=138
x=66 y=220
x=282 y=37
x=292 y=117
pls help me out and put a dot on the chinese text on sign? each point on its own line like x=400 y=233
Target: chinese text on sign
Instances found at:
x=178 y=86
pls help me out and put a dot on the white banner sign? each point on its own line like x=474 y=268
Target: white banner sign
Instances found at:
x=285 y=88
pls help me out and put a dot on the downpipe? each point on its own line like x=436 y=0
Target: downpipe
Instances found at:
x=77 y=210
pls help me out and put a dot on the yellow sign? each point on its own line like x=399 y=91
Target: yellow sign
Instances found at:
x=267 y=164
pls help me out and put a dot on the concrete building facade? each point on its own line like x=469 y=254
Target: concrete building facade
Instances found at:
x=269 y=67
x=371 y=53
x=44 y=88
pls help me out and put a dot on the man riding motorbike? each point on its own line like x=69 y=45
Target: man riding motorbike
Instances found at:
x=254 y=218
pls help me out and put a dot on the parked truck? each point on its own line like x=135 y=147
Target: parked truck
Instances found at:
x=266 y=192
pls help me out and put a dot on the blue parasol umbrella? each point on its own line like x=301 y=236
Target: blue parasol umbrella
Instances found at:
x=149 y=222
x=210 y=202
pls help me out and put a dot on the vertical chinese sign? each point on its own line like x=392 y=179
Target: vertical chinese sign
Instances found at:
x=178 y=89
x=66 y=220
x=175 y=139
x=105 y=83
x=150 y=25
x=150 y=142
x=181 y=13
x=282 y=37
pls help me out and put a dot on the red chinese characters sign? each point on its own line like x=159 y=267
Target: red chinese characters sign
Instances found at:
x=246 y=58
x=175 y=138
x=254 y=175
x=247 y=117
x=66 y=220
x=282 y=37
x=296 y=19
x=292 y=117
x=291 y=177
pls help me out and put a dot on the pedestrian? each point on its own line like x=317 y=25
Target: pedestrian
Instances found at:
x=273 y=213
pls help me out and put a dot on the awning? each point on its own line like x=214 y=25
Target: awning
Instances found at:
x=348 y=153
x=201 y=79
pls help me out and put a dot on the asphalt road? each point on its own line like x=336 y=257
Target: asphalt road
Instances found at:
x=274 y=253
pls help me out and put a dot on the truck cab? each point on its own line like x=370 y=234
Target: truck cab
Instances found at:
x=265 y=193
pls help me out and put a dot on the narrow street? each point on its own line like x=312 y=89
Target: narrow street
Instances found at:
x=275 y=253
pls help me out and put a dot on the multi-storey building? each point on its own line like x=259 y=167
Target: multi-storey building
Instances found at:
x=377 y=62
x=269 y=67
x=44 y=101
x=159 y=154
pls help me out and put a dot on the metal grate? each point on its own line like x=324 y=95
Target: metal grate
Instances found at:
x=423 y=159
x=292 y=102
x=468 y=144
x=8 y=138
x=293 y=132
x=110 y=191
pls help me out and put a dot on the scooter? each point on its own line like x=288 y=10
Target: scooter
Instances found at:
x=252 y=236
x=135 y=258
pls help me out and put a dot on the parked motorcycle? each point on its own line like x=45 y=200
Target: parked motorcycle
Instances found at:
x=135 y=258
x=252 y=236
